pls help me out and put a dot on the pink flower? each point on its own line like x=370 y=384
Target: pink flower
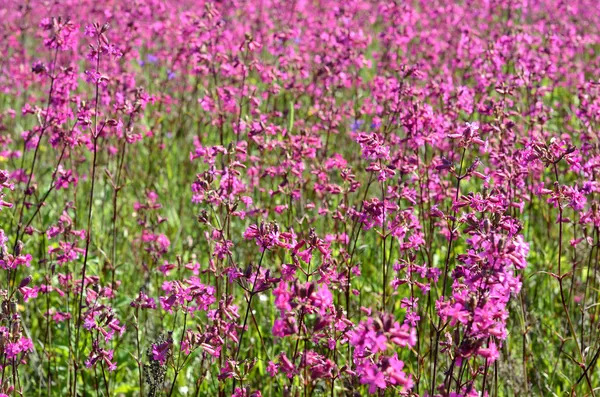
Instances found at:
x=161 y=351
x=374 y=378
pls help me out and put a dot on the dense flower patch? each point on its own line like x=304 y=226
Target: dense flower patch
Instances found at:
x=307 y=197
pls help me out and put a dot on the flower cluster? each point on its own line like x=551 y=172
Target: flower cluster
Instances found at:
x=269 y=197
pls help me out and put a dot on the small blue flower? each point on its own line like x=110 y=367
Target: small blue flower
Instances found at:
x=356 y=124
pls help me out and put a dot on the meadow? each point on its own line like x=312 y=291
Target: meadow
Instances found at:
x=299 y=198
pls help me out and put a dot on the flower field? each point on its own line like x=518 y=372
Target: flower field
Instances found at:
x=299 y=198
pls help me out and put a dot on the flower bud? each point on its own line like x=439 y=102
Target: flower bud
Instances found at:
x=25 y=282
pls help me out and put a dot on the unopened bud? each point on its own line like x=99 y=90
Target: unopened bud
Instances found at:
x=25 y=282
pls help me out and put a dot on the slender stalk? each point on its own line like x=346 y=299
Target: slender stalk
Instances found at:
x=438 y=329
x=95 y=136
x=248 y=308
x=561 y=288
